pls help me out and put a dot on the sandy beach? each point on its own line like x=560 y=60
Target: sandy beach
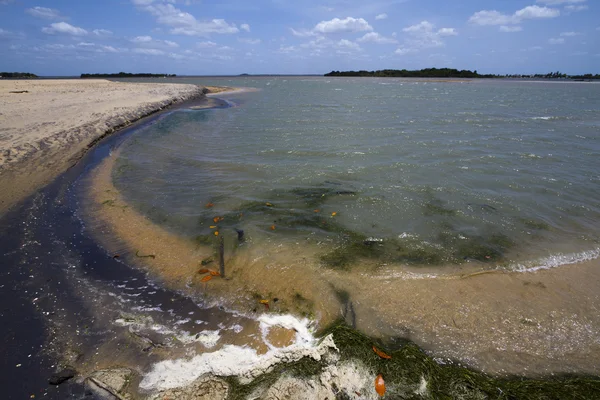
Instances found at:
x=45 y=125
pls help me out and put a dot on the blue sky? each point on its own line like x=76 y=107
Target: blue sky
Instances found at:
x=208 y=37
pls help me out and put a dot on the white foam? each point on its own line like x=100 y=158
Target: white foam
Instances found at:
x=556 y=260
x=243 y=362
x=208 y=338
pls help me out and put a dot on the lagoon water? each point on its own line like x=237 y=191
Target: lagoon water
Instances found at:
x=499 y=174
x=461 y=215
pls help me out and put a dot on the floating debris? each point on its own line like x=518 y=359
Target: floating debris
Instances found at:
x=381 y=353
x=380 y=385
x=209 y=205
x=137 y=253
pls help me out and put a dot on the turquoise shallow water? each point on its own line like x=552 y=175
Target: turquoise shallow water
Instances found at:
x=417 y=172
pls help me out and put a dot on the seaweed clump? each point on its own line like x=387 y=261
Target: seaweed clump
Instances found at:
x=409 y=367
x=410 y=373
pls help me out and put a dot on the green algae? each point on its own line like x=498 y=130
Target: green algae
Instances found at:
x=304 y=368
x=409 y=365
x=410 y=369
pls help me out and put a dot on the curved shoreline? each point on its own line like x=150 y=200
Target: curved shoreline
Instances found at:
x=503 y=323
x=50 y=127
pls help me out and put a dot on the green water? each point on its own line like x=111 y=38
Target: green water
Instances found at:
x=503 y=173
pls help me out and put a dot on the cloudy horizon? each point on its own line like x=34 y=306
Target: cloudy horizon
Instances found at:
x=188 y=37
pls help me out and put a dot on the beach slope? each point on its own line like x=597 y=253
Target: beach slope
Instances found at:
x=46 y=125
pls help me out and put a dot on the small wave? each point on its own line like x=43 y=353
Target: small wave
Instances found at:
x=556 y=260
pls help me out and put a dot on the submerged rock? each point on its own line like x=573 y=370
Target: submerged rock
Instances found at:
x=110 y=383
x=62 y=376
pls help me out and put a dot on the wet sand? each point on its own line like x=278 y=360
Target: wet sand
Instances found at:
x=526 y=323
x=46 y=125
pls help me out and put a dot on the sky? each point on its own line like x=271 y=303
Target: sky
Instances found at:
x=230 y=37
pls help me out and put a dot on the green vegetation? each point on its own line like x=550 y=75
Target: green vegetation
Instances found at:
x=454 y=73
x=410 y=369
x=423 y=73
x=409 y=365
x=18 y=75
x=127 y=75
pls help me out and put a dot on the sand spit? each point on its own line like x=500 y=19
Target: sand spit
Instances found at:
x=46 y=125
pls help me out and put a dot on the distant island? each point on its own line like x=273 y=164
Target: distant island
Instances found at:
x=20 y=75
x=453 y=73
x=127 y=75
x=422 y=73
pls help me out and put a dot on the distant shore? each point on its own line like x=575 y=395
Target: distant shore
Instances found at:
x=46 y=125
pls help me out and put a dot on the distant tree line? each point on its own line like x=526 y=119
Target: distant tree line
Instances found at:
x=453 y=73
x=422 y=73
x=26 y=75
x=128 y=75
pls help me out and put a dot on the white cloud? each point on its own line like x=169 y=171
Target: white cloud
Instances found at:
x=381 y=16
x=206 y=44
x=108 y=49
x=150 y=43
x=510 y=29
x=63 y=27
x=575 y=8
x=493 y=17
x=347 y=44
x=4 y=34
x=556 y=41
x=533 y=12
x=375 y=37
x=102 y=32
x=183 y=23
x=337 y=25
x=142 y=39
x=245 y=27
x=149 y=52
x=43 y=12
x=249 y=41
x=422 y=36
x=570 y=34
x=559 y=2
x=447 y=32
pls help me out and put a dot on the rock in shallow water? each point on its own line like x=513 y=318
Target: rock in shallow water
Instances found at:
x=62 y=376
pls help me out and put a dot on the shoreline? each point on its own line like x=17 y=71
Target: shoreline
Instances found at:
x=446 y=315
x=50 y=126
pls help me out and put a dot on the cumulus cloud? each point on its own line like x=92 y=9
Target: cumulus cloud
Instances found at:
x=245 y=27
x=381 y=16
x=422 y=36
x=44 y=12
x=347 y=24
x=556 y=41
x=374 y=37
x=510 y=29
x=493 y=17
x=183 y=23
x=447 y=32
x=64 y=28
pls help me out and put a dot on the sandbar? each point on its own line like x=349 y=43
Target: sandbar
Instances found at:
x=46 y=125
